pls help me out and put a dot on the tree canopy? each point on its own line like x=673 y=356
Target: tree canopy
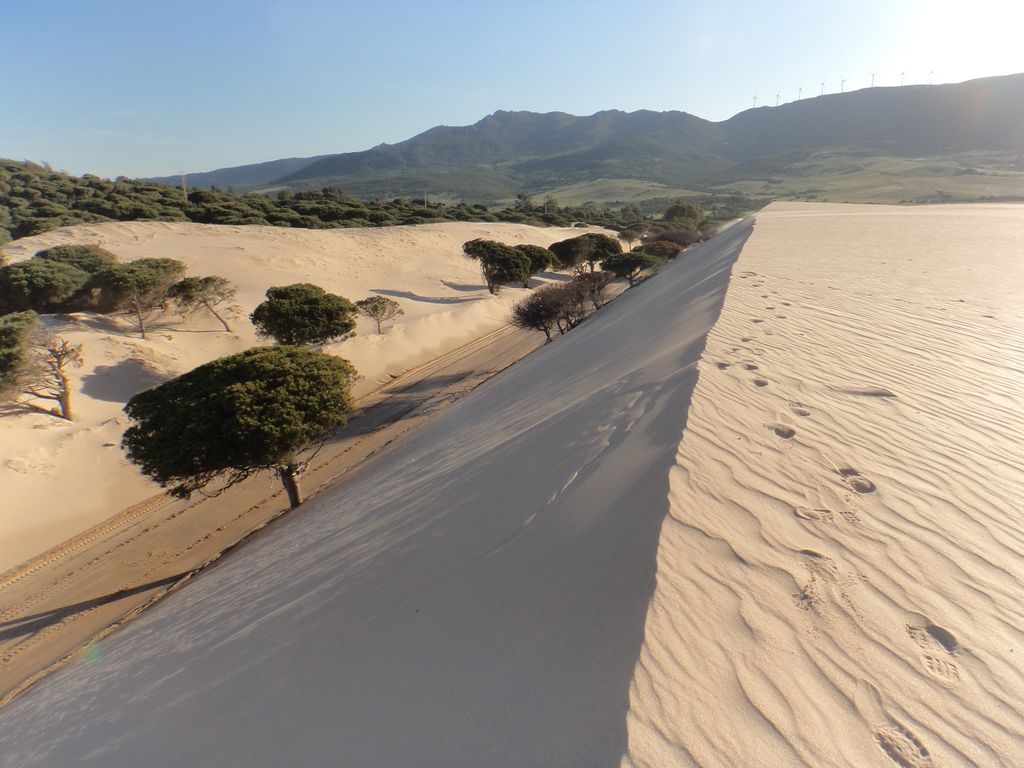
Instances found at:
x=540 y=311
x=540 y=258
x=238 y=415
x=303 y=313
x=661 y=249
x=138 y=287
x=629 y=265
x=379 y=309
x=88 y=258
x=499 y=263
x=686 y=213
x=585 y=249
x=35 y=199
x=15 y=334
x=38 y=284
x=190 y=293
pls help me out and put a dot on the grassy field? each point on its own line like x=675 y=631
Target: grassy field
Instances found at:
x=855 y=177
x=617 y=191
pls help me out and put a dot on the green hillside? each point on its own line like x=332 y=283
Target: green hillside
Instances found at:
x=788 y=151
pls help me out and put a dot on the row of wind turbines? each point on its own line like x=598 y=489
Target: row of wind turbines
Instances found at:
x=842 y=86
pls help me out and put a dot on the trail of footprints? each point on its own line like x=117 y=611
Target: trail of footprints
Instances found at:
x=938 y=645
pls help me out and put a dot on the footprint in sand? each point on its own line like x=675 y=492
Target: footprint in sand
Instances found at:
x=938 y=645
x=856 y=481
x=757 y=320
x=849 y=516
x=799 y=409
x=749 y=367
x=781 y=317
x=771 y=307
x=785 y=303
x=760 y=382
x=723 y=366
x=819 y=564
x=902 y=746
x=782 y=430
x=747 y=338
x=943 y=671
x=823 y=569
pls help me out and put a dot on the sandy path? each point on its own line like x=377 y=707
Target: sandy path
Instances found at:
x=54 y=604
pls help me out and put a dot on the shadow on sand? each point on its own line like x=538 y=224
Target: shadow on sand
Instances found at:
x=117 y=383
x=428 y=299
x=36 y=622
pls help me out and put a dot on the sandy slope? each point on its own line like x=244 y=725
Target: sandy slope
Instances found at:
x=58 y=478
x=800 y=545
x=842 y=572
x=476 y=597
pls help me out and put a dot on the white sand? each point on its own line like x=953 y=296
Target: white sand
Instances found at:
x=599 y=557
x=58 y=478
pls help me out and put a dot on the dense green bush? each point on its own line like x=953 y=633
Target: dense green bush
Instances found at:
x=88 y=258
x=15 y=333
x=36 y=199
x=661 y=249
x=40 y=285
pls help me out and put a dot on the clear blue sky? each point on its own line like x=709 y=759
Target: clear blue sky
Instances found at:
x=149 y=87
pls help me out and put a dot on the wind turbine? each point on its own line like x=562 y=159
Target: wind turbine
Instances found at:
x=776 y=99
x=755 y=101
x=822 y=84
x=931 y=77
x=901 y=78
x=799 y=92
x=842 y=85
x=873 y=79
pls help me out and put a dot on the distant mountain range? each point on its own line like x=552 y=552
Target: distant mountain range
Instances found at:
x=509 y=152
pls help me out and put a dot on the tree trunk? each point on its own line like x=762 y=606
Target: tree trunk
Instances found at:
x=290 y=478
x=222 y=320
x=64 y=400
x=140 y=318
x=378 y=325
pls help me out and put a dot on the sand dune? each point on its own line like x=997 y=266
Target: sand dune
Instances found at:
x=784 y=530
x=59 y=478
x=841 y=573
